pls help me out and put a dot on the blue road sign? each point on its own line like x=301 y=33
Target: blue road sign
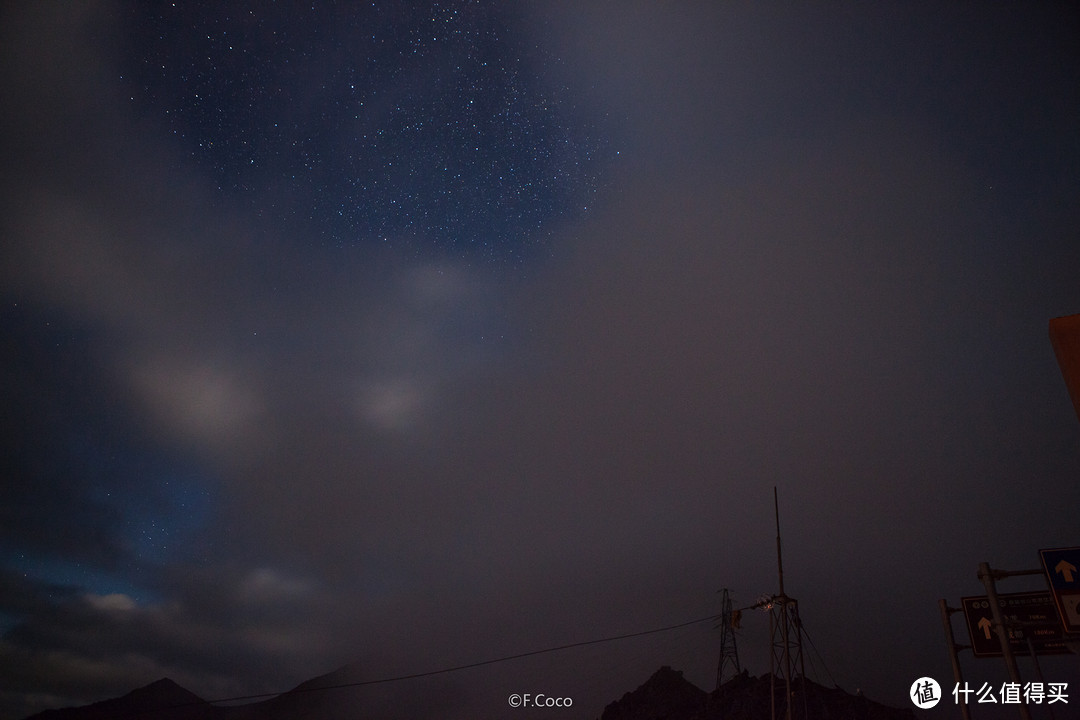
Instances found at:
x=1062 y=567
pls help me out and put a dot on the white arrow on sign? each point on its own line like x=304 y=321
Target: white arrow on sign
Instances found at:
x=1067 y=569
x=984 y=625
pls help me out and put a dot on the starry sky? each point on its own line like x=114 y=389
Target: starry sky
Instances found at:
x=400 y=336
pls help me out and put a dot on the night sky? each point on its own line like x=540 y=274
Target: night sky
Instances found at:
x=410 y=335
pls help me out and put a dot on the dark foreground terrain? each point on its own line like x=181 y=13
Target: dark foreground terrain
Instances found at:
x=668 y=695
x=664 y=695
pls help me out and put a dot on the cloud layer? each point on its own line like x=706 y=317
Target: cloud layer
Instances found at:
x=358 y=455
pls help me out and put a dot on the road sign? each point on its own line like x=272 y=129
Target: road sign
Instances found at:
x=1032 y=615
x=1062 y=567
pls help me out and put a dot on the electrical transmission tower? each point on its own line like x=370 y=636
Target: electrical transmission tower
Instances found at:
x=729 y=649
x=785 y=639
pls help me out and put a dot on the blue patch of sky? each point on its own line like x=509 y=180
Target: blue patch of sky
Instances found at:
x=88 y=498
x=432 y=127
x=62 y=578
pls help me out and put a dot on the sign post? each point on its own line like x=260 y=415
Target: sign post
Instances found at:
x=950 y=641
x=998 y=624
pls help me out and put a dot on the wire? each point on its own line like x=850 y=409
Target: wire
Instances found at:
x=470 y=665
x=820 y=656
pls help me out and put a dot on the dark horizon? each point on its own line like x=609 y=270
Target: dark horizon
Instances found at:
x=666 y=693
x=408 y=336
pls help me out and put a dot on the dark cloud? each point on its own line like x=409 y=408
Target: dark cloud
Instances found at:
x=240 y=457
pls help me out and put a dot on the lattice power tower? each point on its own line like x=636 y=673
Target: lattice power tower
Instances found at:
x=729 y=649
x=785 y=639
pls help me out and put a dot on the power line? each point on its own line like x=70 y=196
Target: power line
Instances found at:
x=456 y=668
x=820 y=657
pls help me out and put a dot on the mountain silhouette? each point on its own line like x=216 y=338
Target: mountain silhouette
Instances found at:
x=666 y=694
x=163 y=699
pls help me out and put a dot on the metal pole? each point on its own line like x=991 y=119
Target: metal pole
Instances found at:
x=987 y=578
x=784 y=617
x=1038 y=668
x=779 y=558
x=802 y=663
x=772 y=657
x=784 y=630
x=958 y=676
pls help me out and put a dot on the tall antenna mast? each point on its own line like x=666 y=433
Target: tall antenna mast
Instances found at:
x=779 y=555
x=785 y=638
